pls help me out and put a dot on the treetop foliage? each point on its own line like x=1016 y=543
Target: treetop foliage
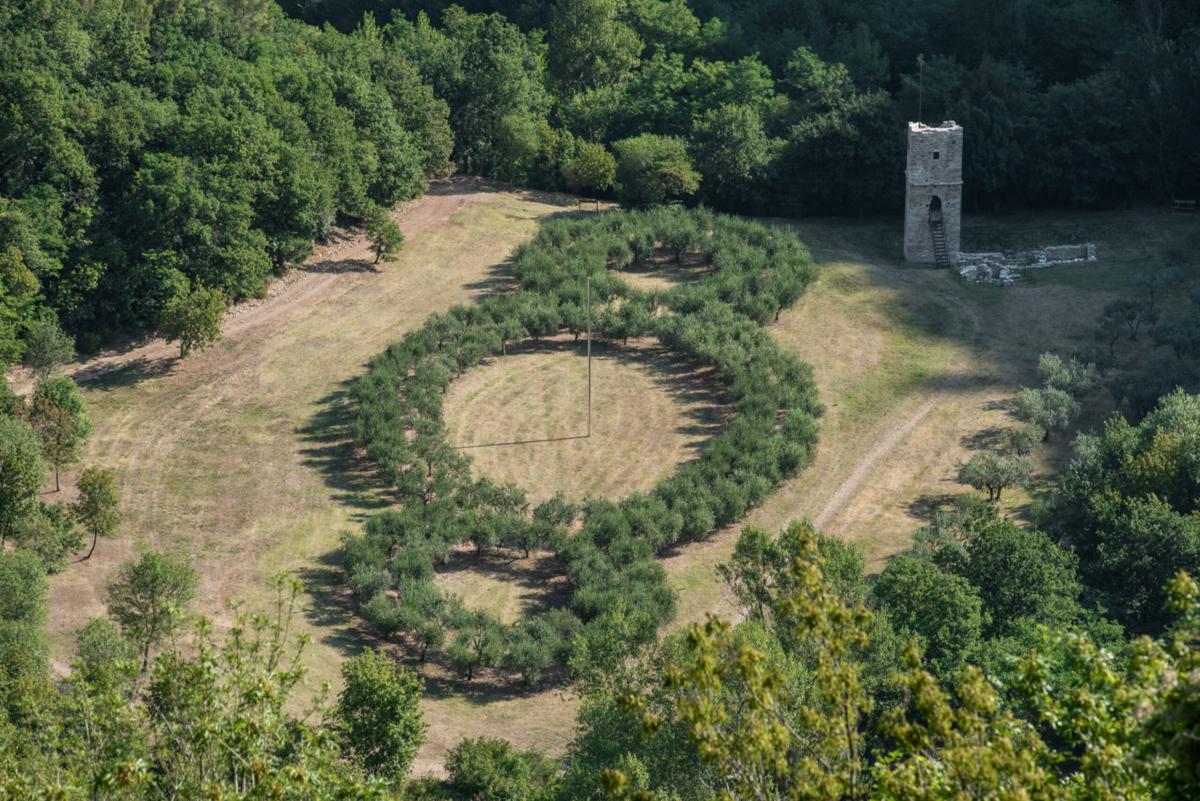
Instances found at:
x=806 y=722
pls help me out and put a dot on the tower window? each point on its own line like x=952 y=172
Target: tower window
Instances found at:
x=936 y=155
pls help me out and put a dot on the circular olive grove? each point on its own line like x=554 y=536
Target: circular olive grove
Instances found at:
x=617 y=594
x=654 y=412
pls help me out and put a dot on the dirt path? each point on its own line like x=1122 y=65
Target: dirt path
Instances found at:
x=236 y=458
x=331 y=269
x=898 y=403
x=900 y=427
x=870 y=463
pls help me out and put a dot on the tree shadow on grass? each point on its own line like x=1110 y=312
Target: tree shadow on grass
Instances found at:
x=106 y=377
x=500 y=278
x=991 y=437
x=329 y=448
x=338 y=265
x=539 y=577
x=925 y=507
x=331 y=608
x=707 y=407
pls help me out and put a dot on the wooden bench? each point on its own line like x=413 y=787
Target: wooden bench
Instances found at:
x=1184 y=206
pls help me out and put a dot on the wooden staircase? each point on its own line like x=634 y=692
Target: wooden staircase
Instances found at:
x=941 y=253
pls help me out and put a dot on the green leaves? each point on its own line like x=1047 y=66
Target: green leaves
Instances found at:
x=654 y=169
x=384 y=234
x=379 y=715
x=22 y=471
x=61 y=419
x=193 y=318
x=149 y=597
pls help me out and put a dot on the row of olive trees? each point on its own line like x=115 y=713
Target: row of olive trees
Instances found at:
x=618 y=594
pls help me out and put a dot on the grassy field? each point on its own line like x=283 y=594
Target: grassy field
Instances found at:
x=237 y=457
x=916 y=368
x=650 y=415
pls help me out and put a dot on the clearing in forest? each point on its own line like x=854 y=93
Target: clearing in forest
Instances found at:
x=238 y=459
x=651 y=413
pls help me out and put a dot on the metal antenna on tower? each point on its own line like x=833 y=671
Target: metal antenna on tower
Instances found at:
x=920 y=87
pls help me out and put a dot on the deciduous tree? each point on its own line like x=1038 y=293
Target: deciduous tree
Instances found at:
x=193 y=318
x=385 y=235
x=592 y=169
x=654 y=169
x=97 y=508
x=379 y=713
x=148 y=597
x=61 y=419
x=47 y=346
x=22 y=471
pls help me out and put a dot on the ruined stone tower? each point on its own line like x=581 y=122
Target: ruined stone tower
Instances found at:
x=933 y=193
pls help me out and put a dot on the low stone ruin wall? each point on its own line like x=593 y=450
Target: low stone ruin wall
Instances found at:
x=1006 y=268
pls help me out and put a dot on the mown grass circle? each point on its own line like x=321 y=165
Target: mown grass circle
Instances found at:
x=616 y=593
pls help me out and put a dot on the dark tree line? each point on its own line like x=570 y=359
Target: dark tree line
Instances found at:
x=797 y=107
x=169 y=151
x=618 y=595
x=149 y=150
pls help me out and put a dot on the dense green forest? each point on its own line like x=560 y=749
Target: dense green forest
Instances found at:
x=797 y=107
x=152 y=149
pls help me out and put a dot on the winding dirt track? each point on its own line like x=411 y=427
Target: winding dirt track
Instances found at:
x=215 y=458
x=325 y=273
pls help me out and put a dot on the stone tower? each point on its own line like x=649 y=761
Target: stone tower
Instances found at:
x=933 y=193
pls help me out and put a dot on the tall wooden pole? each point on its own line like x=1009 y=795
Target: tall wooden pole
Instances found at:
x=589 y=353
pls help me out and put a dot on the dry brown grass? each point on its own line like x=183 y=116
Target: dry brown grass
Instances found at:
x=650 y=414
x=237 y=457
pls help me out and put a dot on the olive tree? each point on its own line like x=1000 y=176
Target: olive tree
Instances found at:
x=995 y=472
x=1049 y=408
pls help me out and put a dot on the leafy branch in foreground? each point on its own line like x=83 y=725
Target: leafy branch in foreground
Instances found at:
x=1078 y=721
x=211 y=719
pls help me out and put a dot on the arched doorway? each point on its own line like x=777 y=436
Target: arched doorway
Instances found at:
x=935 y=209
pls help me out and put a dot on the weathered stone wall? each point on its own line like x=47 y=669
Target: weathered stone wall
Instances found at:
x=1006 y=268
x=934 y=170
